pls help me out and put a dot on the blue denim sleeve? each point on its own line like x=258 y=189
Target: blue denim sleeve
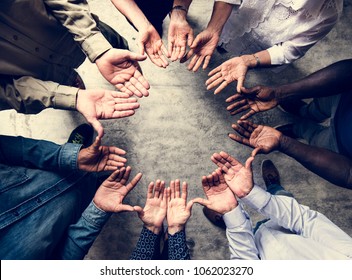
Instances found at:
x=40 y=154
x=80 y=236
x=148 y=246
x=178 y=249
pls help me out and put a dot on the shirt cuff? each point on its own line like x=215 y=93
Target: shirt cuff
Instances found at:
x=68 y=157
x=95 y=45
x=95 y=216
x=232 y=2
x=65 y=97
x=235 y=218
x=257 y=198
x=277 y=55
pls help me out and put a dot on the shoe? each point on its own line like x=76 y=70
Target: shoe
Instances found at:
x=214 y=217
x=287 y=130
x=82 y=134
x=78 y=82
x=270 y=173
x=293 y=106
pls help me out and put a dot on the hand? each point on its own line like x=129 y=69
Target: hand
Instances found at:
x=178 y=210
x=234 y=69
x=154 y=211
x=257 y=99
x=97 y=158
x=263 y=139
x=104 y=104
x=202 y=48
x=239 y=178
x=151 y=43
x=113 y=190
x=219 y=197
x=120 y=68
x=180 y=35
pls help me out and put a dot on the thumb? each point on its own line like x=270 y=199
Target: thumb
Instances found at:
x=240 y=82
x=96 y=144
x=136 y=56
x=201 y=201
x=98 y=127
x=249 y=162
x=190 y=39
x=141 y=48
x=138 y=209
x=195 y=42
x=256 y=151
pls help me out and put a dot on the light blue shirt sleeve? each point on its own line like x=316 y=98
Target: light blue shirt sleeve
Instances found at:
x=240 y=235
x=299 y=219
x=80 y=236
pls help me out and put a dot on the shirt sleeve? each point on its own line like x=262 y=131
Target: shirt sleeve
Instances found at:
x=177 y=246
x=75 y=15
x=232 y=2
x=240 y=235
x=40 y=154
x=148 y=246
x=299 y=219
x=291 y=50
x=81 y=236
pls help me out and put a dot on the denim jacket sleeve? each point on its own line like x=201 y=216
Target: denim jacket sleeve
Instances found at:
x=82 y=235
x=40 y=154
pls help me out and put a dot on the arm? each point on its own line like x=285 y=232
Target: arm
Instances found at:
x=149 y=41
x=77 y=18
x=108 y=199
x=329 y=165
x=239 y=233
x=288 y=213
x=30 y=95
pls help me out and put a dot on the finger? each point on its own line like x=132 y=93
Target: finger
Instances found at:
x=123 y=89
x=141 y=48
x=122 y=114
x=177 y=188
x=189 y=206
x=98 y=127
x=237 y=105
x=135 y=56
x=135 y=84
x=170 y=46
x=223 y=85
x=205 y=183
x=240 y=82
x=150 y=190
x=125 y=208
x=256 y=151
x=221 y=176
x=126 y=106
x=214 y=80
x=239 y=139
x=133 y=182
x=215 y=179
x=138 y=209
x=210 y=180
x=234 y=97
x=249 y=162
x=201 y=201
x=157 y=188
x=249 y=126
x=190 y=38
x=168 y=194
x=240 y=130
x=96 y=144
x=123 y=96
x=198 y=64
x=162 y=190
x=193 y=62
x=247 y=115
x=122 y=175
x=241 y=109
x=217 y=159
x=143 y=81
x=206 y=61
x=231 y=160
x=187 y=56
x=172 y=189
x=113 y=176
x=182 y=51
x=184 y=191
x=116 y=151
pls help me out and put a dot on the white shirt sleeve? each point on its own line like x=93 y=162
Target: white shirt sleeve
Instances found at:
x=239 y=234
x=299 y=219
x=232 y=2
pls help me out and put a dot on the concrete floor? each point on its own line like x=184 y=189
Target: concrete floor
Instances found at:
x=180 y=125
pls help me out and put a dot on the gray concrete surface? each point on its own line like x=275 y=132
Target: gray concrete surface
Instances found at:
x=180 y=125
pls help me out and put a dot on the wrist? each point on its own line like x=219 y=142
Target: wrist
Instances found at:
x=154 y=229
x=178 y=11
x=284 y=143
x=250 y=60
x=172 y=229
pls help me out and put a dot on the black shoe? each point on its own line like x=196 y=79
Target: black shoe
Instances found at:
x=214 y=217
x=82 y=134
x=287 y=130
x=293 y=106
x=270 y=173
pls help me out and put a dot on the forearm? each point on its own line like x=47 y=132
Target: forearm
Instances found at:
x=180 y=13
x=220 y=14
x=131 y=10
x=81 y=236
x=76 y=17
x=148 y=246
x=40 y=154
x=259 y=59
x=177 y=247
x=30 y=95
x=329 y=165
x=331 y=80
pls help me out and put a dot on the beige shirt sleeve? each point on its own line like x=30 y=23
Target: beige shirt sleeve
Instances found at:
x=30 y=95
x=75 y=15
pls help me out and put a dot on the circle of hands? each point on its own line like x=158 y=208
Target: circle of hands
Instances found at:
x=230 y=181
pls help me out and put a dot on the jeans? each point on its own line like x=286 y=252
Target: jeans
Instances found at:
x=37 y=205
